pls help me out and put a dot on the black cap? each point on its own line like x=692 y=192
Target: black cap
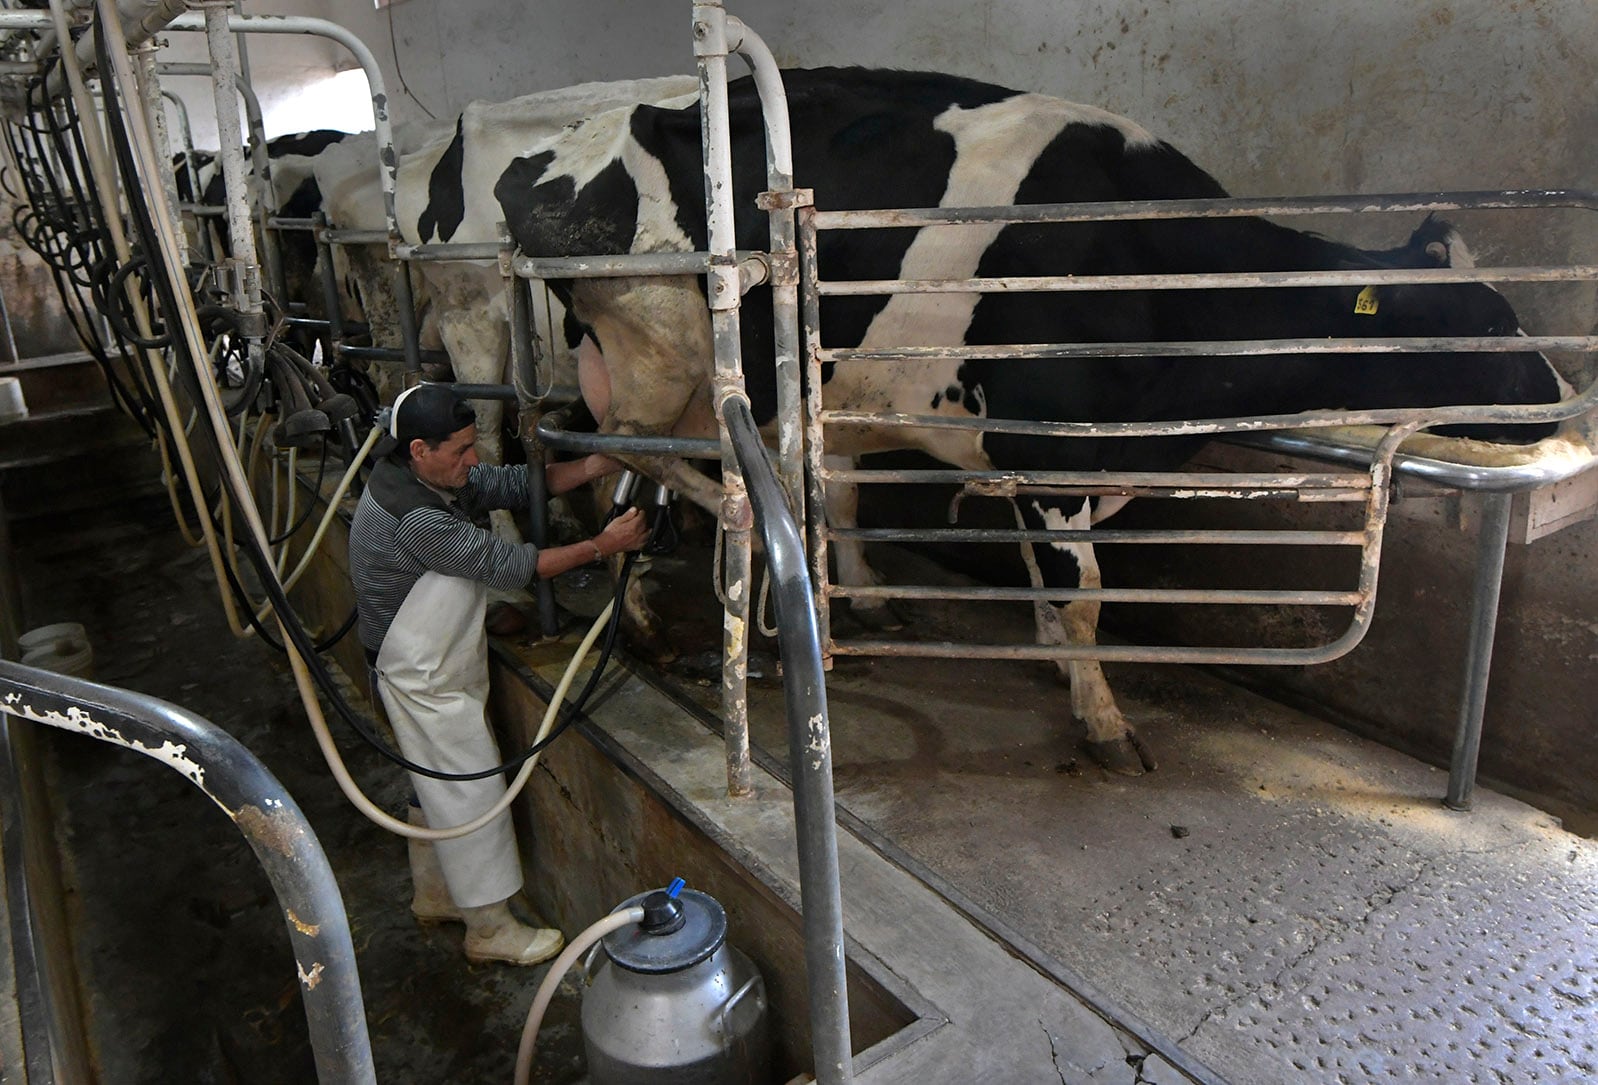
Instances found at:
x=428 y=411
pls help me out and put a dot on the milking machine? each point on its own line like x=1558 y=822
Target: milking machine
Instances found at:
x=309 y=407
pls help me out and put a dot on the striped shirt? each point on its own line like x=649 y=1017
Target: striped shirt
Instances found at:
x=403 y=528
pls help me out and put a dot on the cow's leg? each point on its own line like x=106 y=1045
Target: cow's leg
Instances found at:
x=1111 y=739
x=843 y=507
x=476 y=334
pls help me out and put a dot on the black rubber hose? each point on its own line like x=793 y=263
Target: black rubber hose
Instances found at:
x=310 y=506
x=118 y=319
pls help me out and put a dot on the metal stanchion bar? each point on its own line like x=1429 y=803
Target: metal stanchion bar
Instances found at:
x=1070 y=481
x=1238 y=596
x=1224 y=207
x=393 y=354
x=1230 y=348
x=1217 y=280
x=1490 y=546
x=809 y=752
x=1097 y=536
x=1109 y=653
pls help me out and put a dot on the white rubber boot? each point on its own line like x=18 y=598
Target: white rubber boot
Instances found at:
x=493 y=934
x=430 y=899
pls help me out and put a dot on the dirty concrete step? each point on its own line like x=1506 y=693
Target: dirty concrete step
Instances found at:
x=53 y=434
x=59 y=382
x=107 y=467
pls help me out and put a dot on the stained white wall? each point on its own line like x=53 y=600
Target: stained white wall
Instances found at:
x=1274 y=97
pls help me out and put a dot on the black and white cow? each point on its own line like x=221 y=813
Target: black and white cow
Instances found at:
x=444 y=194
x=631 y=180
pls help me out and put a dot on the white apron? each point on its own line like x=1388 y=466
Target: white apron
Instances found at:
x=432 y=673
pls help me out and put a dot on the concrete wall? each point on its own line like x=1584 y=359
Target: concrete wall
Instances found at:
x=1275 y=97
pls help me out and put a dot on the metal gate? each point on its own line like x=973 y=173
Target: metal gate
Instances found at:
x=1368 y=487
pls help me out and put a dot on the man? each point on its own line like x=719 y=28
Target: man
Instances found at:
x=422 y=570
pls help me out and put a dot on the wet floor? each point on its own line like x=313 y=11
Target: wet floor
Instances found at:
x=184 y=959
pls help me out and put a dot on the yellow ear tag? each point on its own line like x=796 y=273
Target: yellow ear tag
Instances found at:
x=1365 y=304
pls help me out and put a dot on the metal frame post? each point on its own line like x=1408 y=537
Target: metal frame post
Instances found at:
x=810 y=754
x=246 y=284
x=1491 y=544
x=144 y=67
x=524 y=358
x=724 y=289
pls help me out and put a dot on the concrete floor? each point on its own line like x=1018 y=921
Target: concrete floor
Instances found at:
x=1282 y=900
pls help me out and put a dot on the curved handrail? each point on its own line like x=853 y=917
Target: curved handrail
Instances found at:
x=233 y=778
x=804 y=689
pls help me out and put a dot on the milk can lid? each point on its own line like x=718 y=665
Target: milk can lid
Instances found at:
x=675 y=934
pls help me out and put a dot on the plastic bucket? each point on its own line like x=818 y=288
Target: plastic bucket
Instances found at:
x=12 y=406
x=63 y=648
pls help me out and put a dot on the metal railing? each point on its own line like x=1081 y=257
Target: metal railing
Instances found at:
x=1010 y=483
x=236 y=781
x=804 y=689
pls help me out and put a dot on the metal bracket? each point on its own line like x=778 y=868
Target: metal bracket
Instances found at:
x=737 y=513
x=786 y=200
x=783 y=268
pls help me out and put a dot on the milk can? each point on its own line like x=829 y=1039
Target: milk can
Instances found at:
x=671 y=1002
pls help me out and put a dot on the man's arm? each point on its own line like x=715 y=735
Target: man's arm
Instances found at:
x=629 y=531
x=505 y=487
x=570 y=474
x=450 y=545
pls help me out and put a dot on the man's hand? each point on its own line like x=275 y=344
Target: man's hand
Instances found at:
x=629 y=531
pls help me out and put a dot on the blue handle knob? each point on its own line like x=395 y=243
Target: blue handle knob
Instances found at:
x=675 y=887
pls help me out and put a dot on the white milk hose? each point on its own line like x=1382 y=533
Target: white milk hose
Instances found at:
x=557 y=971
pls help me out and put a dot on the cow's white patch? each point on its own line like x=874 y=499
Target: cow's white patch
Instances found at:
x=996 y=146
x=657 y=229
x=1082 y=553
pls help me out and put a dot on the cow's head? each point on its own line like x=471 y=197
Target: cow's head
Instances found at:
x=1418 y=310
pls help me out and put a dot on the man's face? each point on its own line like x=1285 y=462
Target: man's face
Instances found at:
x=447 y=465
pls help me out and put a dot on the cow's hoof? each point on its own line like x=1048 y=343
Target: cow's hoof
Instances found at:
x=649 y=645
x=656 y=651
x=1125 y=755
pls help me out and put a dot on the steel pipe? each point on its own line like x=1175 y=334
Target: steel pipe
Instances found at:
x=809 y=751
x=283 y=841
x=388 y=161
x=1206 y=348
x=1096 y=536
x=549 y=431
x=723 y=289
x=1563 y=462
x=974 y=594
x=1222 y=207
x=1491 y=542
x=1217 y=280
